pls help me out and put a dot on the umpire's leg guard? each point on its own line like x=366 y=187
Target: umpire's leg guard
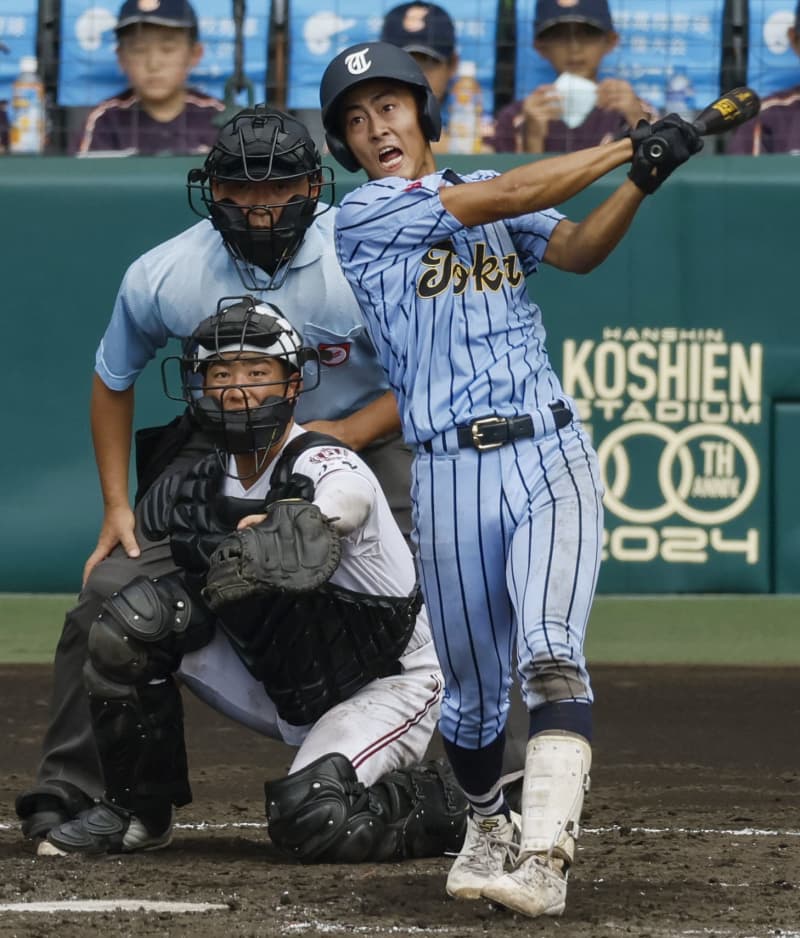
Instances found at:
x=324 y=814
x=134 y=646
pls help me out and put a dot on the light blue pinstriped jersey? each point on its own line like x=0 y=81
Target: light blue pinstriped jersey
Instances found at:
x=447 y=305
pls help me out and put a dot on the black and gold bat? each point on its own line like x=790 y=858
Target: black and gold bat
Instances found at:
x=728 y=111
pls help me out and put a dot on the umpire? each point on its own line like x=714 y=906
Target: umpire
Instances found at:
x=266 y=226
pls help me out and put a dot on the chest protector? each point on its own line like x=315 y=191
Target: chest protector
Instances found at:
x=310 y=650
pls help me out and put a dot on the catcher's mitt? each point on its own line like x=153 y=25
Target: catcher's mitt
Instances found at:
x=295 y=549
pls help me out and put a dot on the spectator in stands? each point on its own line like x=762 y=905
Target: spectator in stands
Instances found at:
x=577 y=110
x=427 y=33
x=777 y=127
x=157 y=47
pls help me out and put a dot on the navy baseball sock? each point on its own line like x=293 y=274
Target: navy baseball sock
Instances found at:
x=563 y=715
x=478 y=773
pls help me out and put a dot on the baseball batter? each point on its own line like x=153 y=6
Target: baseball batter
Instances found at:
x=506 y=491
x=342 y=667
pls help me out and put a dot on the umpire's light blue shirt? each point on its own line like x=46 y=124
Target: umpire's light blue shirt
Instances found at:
x=167 y=291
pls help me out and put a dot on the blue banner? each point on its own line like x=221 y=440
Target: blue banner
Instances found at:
x=772 y=64
x=89 y=73
x=663 y=45
x=17 y=38
x=317 y=32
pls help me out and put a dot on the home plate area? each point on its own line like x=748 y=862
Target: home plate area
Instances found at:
x=692 y=828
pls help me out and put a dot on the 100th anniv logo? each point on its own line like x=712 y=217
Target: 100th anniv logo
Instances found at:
x=670 y=410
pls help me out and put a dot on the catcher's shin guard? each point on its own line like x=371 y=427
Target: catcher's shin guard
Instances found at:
x=324 y=814
x=556 y=778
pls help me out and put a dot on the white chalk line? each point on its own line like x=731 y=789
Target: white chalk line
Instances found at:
x=112 y=905
x=614 y=829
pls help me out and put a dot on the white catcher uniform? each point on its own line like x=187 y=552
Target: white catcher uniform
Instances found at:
x=387 y=724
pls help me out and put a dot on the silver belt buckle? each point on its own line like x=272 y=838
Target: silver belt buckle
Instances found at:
x=476 y=430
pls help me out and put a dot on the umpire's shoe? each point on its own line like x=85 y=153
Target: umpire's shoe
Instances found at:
x=48 y=805
x=490 y=845
x=107 y=828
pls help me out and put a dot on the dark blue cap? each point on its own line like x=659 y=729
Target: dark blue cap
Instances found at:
x=421 y=27
x=551 y=12
x=177 y=13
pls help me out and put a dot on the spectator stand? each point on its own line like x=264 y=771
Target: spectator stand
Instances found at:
x=319 y=31
x=772 y=64
x=669 y=50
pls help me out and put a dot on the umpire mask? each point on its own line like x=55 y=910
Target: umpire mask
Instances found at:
x=269 y=247
x=258 y=153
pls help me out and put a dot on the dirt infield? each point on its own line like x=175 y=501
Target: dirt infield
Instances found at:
x=692 y=829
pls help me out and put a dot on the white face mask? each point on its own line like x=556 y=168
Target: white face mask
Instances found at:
x=578 y=97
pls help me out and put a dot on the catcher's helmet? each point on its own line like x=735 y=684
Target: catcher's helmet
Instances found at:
x=245 y=329
x=365 y=62
x=261 y=144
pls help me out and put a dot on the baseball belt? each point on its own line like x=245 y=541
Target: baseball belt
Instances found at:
x=491 y=432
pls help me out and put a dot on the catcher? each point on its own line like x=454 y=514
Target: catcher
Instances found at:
x=295 y=610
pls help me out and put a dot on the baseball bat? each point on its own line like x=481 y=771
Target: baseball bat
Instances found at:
x=728 y=111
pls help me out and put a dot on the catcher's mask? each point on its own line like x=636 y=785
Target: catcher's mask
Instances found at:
x=365 y=62
x=250 y=415
x=258 y=145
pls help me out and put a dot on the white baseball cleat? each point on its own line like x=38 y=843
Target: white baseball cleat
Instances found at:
x=536 y=887
x=489 y=844
x=45 y=849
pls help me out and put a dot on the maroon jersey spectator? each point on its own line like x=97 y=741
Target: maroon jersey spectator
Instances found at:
x=157 y=48
x=599 y=126
x=775 y=130
x=121 y=123
x=577 y=110
x=777 y=127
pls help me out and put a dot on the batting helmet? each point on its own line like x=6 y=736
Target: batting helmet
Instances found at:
x=245 y=329
x=261 y=144
x=364 y=63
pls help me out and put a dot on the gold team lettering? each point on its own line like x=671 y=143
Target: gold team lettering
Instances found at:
x=486 y=273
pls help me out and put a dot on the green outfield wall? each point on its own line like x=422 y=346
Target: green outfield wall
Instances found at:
x=682 y=351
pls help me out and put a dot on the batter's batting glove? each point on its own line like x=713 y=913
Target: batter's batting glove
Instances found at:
x=670 y=143
x=638 y=133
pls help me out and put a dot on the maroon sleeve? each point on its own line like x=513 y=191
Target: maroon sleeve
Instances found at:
x=741 y=142
x=3 y=128
x=504 y=138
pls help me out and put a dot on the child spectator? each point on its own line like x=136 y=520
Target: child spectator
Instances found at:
x=157 y=47
x=776 y=129
x=427 y=33
x=576 y=111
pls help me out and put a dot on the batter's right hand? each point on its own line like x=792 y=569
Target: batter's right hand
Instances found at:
x=118 y=527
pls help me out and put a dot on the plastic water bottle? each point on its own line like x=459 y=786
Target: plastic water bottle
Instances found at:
x=27 y=130
x=679 y=96
x=466 y=111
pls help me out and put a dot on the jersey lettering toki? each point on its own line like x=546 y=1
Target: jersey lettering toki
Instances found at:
x=447 y=305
